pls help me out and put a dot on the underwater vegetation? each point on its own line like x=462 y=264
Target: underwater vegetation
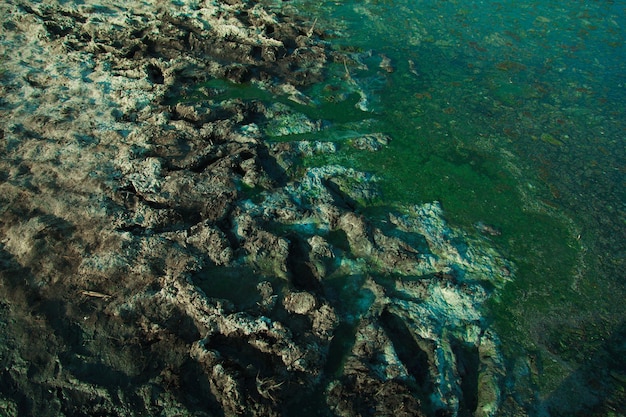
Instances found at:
x=317 y=208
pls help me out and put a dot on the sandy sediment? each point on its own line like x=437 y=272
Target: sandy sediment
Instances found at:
x=159 y=257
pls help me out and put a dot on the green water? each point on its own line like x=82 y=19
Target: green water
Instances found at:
x=512 y=114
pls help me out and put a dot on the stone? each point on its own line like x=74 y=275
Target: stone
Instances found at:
x=300 y=302
x=371 y=142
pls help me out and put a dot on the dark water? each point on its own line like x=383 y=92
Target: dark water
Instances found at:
x=512 y=113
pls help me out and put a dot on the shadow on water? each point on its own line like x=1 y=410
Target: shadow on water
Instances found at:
x=468 y=365
x=411 y=354
x=597 y=387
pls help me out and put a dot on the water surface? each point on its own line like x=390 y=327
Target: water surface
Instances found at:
x=512 y=114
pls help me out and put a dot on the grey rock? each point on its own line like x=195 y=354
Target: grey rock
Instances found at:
x=371 y=142
x=300 y=302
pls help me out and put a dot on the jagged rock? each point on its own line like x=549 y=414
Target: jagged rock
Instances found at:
x=300 y=302
x=266 y=250
x=372 y=142
x=268 y=298
x=358 y=233
x=321 y=255
x=288 y=153
x=120 y=189
x=211 y=241
x=325 y=321
x=282 y=121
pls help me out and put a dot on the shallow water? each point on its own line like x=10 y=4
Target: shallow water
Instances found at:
x=510 y=114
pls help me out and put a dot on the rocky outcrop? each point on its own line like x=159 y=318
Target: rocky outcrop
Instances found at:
x=159 y=257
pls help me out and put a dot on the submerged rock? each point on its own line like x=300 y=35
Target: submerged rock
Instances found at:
x=371 y=142
x=282 y=121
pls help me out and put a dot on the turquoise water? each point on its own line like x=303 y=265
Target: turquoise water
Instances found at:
x=511 y=113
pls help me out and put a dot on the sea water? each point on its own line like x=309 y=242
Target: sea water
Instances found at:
x=511 y=114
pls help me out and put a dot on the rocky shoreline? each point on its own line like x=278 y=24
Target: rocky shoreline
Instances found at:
x=161 y=257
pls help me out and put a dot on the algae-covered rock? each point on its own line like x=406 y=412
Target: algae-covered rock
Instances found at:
x=282 y=121
x=370 y=142
x=160 y=258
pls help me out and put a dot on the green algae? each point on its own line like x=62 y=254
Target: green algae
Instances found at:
x=454 y=113
x=472 y=186
x=449 y=124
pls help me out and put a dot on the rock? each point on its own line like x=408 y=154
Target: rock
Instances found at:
x=287 y=154
x=371 y=142
x=321 y=256
x=282 y=121
x=385 y=63
x=358 y=233
x=264 y=249
x=212 y=242
x=268 y=298
x=487 y=229
x=325 y=322
x=300 y=302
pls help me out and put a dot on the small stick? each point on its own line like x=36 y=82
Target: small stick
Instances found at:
x=348 y=76
x=310 y=32
x=95 y=294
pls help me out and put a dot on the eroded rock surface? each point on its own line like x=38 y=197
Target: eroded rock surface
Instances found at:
x=158 y=257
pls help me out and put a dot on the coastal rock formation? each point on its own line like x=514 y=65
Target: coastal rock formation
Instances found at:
x=159 y=257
